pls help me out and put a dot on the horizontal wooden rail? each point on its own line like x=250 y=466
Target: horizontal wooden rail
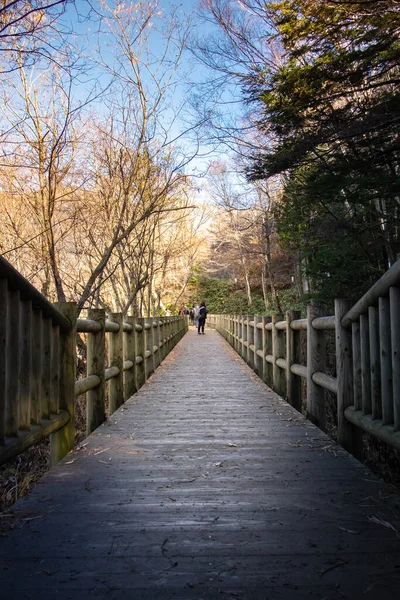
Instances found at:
x=299 y=370
x=324 y=323
x=386 y=433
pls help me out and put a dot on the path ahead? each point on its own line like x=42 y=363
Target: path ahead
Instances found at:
x=205 y=485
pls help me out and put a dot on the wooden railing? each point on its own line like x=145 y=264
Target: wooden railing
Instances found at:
x=38 y=383
x=367 y=382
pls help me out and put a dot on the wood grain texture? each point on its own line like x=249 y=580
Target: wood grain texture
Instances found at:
x=13 y=359
x=62 y=441
x=3 y=356
x=395 y=337
x=293 y=356
x=204 y=488
x=95 y=402
x=349 y=436
x=316 y=363
x=116 y=359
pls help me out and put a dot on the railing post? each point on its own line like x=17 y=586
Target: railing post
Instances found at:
x=373 y=322
x=3 y=356
x=162 y=339
x=278 y=351
x=386 y=361
x=62 y=441
x=365 y=365
x=115 y=359
x=250 y=340
x=55 y=370
x=36 y=392
x=232 y=330
x=246 y=338
x=349 y=436
x=156 y=342
x=357 y=377
x=130 y=354
x=316 y=360
x=95 y=405
x=293 y=356
x=241 y=333
x=395 y=329
x=149 y=346
x=237 y=333
x=141 y=352
x=25 y=374
x=46 y=367
x=266 y=350
x=13 y=362
x=258 y=346
x=168 y=335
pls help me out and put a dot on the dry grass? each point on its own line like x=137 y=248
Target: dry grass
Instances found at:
x=18 y=476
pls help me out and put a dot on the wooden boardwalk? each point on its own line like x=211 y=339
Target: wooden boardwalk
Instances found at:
x=205 y=485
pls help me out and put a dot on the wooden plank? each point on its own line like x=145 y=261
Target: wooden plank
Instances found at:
x=235 y=492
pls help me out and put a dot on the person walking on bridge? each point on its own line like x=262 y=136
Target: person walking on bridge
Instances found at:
x=202 y=318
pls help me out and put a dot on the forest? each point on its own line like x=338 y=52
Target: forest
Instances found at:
x=289 y=111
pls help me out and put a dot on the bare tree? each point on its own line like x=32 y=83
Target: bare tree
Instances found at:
x=28 y=31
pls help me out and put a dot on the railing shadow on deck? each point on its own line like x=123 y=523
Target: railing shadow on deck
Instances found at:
x=38 y=383
x=367 y=382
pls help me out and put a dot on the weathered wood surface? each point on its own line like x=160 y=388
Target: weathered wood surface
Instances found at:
x=205 y=485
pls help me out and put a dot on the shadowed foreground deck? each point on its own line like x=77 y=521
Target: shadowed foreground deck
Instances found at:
x=205 y=485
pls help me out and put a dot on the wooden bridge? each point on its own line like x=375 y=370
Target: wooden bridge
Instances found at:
x=205 y=484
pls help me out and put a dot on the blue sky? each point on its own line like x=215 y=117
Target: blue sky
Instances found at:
x=190 y=71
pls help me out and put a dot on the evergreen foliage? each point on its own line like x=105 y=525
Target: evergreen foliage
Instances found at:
x=331 y=116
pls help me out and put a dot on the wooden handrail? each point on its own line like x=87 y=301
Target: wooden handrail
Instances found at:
x=17 y=282
x=381 y=288
x=38 y=364
x=367 y=385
